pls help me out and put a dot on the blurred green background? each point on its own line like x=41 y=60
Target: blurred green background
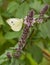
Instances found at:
x=19 y=9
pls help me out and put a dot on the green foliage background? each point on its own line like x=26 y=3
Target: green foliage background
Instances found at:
x=8 y=38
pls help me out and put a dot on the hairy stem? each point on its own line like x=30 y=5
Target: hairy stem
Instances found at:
x=41 y=15
x=46 y=53
x=22 y=41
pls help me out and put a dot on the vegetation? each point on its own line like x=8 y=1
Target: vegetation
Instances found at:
x=30 y=45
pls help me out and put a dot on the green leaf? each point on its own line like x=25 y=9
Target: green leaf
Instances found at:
x=3 y=57
x=15 y=61
x=36 y=5
x=2 y=39
x=35 y=52
x=45 y=62
x=20 y=1
x=3 y=60
x=1 y=21
x=1 y=2
x=12 y=35
x=12 y=7
x=31 y=60
x=45 y=29
x=46 y=1
x=7 y=14
x=37 y=55
x=48 y=28
x=36 y=16
x=22 y=10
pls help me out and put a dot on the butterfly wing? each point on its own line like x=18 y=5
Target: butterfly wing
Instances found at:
x=17 y=26
x=15 y=23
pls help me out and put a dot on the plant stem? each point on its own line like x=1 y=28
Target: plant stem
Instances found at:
x=22 y=41
x=46 y=54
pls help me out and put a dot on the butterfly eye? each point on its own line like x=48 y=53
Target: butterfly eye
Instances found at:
x=12 y=22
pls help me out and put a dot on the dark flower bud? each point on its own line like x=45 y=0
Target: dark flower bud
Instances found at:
x=43 y=11
x=9 y=55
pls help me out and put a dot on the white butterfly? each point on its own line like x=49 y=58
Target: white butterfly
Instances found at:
x=15 y=23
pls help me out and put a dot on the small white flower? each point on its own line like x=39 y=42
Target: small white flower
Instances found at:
x=25 y=22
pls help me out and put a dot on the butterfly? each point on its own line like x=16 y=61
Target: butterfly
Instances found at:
x=15 y=23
